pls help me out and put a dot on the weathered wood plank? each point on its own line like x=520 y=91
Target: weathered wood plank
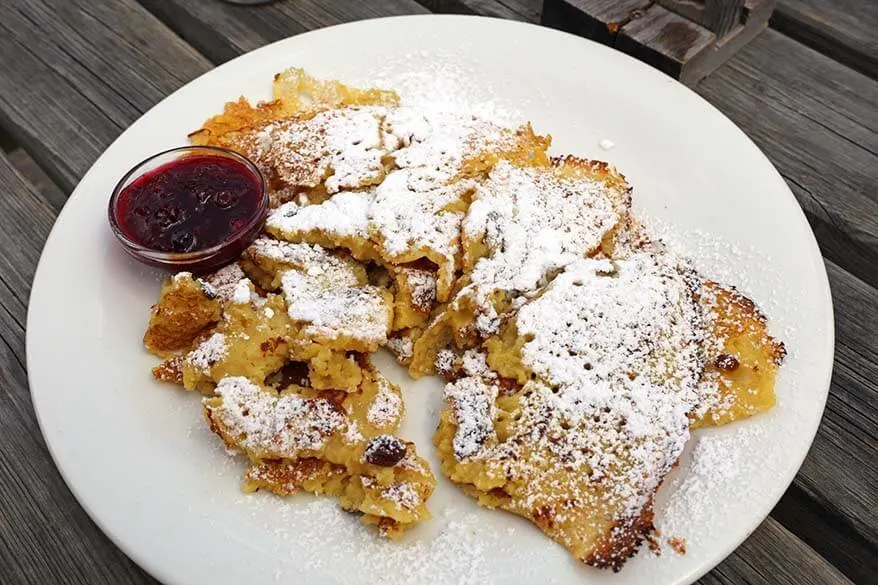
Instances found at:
x=840 y=470
x=526 y=10
x=45 y=536
x=819 y=529
x=815 y=120
x=25 y=221
x=223 y=31
x=776 y=549
x=33 y=174
x=598 y=20
x=83 y=71
x=676 y=52
x=773 y=556
x=65 y=101
x=846 y=30
x=686 y=40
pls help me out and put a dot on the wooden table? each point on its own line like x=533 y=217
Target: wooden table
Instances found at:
x=75 y=73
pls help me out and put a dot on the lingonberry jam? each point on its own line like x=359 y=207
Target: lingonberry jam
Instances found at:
x=193 y=207
x=192 y=203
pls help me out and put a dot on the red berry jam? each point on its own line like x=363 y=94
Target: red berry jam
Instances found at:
x=191 y=208
x=191 y=203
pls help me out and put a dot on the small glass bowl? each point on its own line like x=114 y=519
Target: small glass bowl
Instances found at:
x=198 y=260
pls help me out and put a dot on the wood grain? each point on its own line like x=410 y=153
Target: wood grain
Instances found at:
x=598 y=20
x=846 y=30
x=840 y=471
x=28 y=168
x=815 y=120
x=758 y=561
x=66 y=100
x=45 y=536
x=823 y=532
x=6 y=141
x=687 y=40
x=528 y=11
x=813 y=117
x=667 y=41
x=224 y=31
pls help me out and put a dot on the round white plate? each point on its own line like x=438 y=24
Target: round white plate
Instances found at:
x=141 y=461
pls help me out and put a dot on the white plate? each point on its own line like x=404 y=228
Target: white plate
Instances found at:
x=142 y=463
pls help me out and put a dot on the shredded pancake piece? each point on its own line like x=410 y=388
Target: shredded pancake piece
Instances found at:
x=334 y=309
x=524 y=225
x=342 y=445
x=607 y=362
x=578 y=351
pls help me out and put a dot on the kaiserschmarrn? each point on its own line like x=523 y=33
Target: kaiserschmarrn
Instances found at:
x=578 y=351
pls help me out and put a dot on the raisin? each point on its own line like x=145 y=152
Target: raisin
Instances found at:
x=726 y=362
x=292 y=373
x=508 y=386
x=384 y=451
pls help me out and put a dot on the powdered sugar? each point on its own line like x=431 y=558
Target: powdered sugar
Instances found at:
x=336 y=307
x=432 y=145
x=474 y=363
x=271 y=425
x=617 y=345
x=402 y=494
x=440 y=84
x=343 y=215
x=411 y=213
x=456 y=553
x=445 y=362
x=698 y=496
x=401 y=346
x=422 y=285
x=221 y=284
x=386 y=407
x=293 y=254
x=614 y=348
x=473 y=402
x=342 y=147
x=242 y=291
x=210 y=351
x=406 y=220
x=352 y=434
x=532 y=223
